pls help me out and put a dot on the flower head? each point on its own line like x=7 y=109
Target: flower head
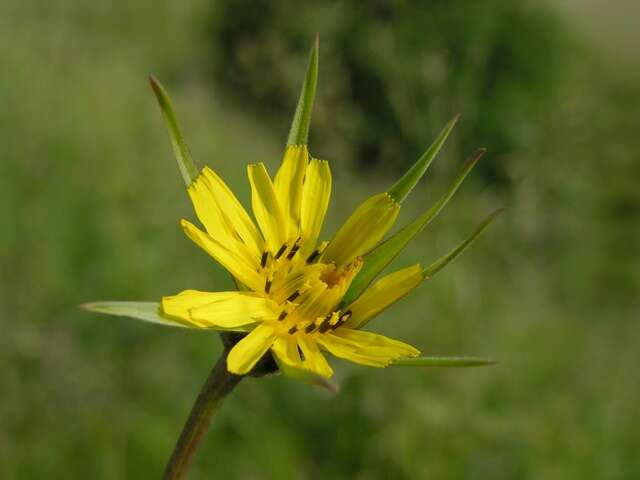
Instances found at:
x=293 y=283
x=298 y=295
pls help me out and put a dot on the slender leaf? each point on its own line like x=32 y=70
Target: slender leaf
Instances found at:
x=146 y=311
x=383 y=254
x=299 y=133
x=451 y=362
x=401 y=189
x=188 y=167
x=443 y=261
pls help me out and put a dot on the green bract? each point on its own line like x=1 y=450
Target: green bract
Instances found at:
x=401 y=189
x=382 y=255
x=299 y=133
x=146 y=311
x=188 y=167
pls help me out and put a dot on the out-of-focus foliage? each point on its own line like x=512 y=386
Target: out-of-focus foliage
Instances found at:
x=393 y=71
x=90 y=198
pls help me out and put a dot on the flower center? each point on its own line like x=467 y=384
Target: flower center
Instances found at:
x=306 y=291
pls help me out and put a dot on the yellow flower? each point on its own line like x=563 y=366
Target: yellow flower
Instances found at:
x=297 y=295
x=294 y=282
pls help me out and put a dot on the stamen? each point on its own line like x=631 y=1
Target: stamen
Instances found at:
x=281 y=251
x=310 y=328
x=335 y=318
x=267 y=285
x=293 y=330
x=293 y=296
x=263 y=260
x=317 y=251
x=343 y=318
x=313 y=256
x=325 y=324
x=283 y=315
x=294 y=249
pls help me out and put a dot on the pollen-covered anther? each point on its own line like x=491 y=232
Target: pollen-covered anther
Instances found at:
x=326 y=324
x=335 y=318
x=341 y=319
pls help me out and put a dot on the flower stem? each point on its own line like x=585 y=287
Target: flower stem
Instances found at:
x=218 y=385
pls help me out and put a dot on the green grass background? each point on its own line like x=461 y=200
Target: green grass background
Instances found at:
x=90 y=200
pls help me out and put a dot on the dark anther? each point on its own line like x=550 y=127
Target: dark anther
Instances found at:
x=310 y=328
x=343 y=318
x=263 y=260
x=294 y=249
x=267 y=285
x=313 y=256
x=293 y=296
x=325 y=325
x=282 y=315
x=293 y=330
x=293 y=252
x=281 y=251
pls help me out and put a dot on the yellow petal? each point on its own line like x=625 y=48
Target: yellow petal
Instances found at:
x=241 y=307
x=226 y=310
x=266 y=207
x=365 y=348
x=207 y=209
x=315 y=200
x=286 y=349
x=314 y=360
x=211 y=193
x=288 y=185
x=246 y=353
x=382 y=294
x=234 y=263
x=363 y=229
x=377 y=342
x=216 y=221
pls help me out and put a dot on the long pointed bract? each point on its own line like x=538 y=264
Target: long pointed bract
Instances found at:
x=299 y=133
x=452 y=362
x=401 y=189
x=186 y=163
x=443 y=261
x=147 y=311
x=379 y=258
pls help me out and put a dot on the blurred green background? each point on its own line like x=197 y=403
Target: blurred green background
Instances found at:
x=90 y=198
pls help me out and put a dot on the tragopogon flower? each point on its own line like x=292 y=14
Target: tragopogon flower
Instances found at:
x=298 y=295
x=295 y=283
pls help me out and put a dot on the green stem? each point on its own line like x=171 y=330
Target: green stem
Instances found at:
x=218 y=385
